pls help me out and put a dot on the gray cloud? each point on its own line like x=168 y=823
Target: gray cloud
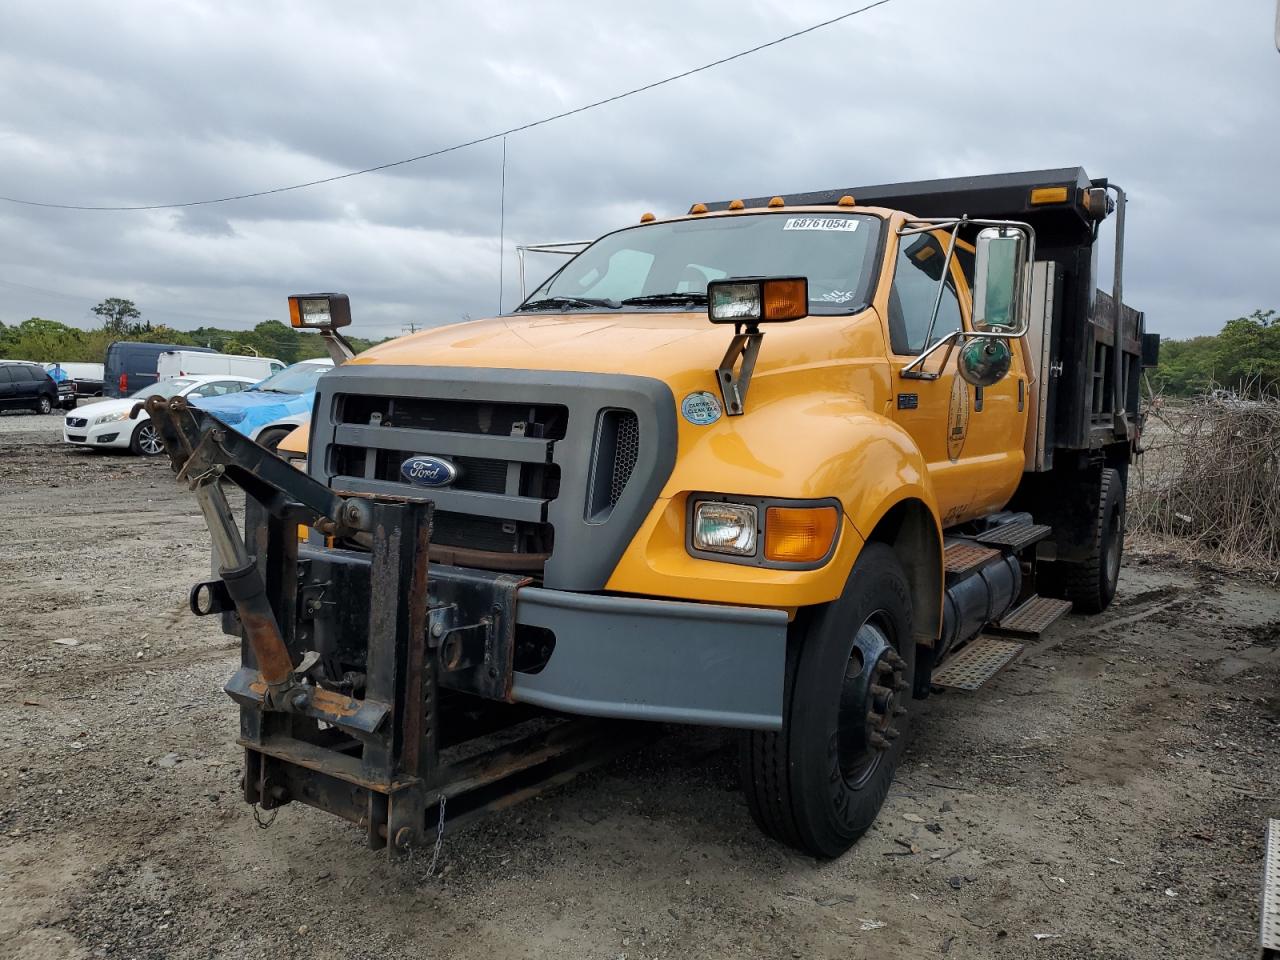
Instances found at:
x=156 y=102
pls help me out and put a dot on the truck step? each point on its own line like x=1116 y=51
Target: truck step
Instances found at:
x=975 y=663
x=1034 y=617
x=961 y=556
x=1271 y=893
x=1015 y=536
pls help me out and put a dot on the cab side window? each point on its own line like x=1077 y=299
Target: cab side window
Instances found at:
x=915 y=286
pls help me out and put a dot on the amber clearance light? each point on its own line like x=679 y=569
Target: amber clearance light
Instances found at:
x=799 y=534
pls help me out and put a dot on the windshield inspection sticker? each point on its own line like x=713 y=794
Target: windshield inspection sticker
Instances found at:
x=836 y=296
x=700 y=408
x=847 y=224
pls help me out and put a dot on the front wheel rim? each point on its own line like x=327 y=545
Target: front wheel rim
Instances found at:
x=869 y=704
x=149 y=440
x=1116 y=536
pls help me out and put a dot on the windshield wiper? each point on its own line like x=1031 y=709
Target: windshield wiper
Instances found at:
x=569 y=302
x=658 y=299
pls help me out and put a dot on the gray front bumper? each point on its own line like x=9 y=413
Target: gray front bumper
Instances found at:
x=658 y=660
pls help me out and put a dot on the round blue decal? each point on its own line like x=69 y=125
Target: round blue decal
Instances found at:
x=701 y=408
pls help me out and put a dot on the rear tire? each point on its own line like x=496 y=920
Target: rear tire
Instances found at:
x=1090 y=584
x=818 y=783
x=44 y=405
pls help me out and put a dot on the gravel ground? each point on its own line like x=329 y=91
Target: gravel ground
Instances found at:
x=1103 y=797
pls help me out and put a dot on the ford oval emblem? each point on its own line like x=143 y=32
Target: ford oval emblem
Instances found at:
x=425 y=471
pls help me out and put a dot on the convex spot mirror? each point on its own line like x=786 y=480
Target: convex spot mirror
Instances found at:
x=320 y=311
x=1000 y=275
x=752 y=300
x=984 y=361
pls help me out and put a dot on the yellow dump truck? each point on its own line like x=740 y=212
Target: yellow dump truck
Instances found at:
x=782 y=465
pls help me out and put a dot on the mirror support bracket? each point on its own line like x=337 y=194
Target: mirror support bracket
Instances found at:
x=735 y=379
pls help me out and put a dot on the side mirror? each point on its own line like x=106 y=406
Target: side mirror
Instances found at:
x=999 y=287
x=320 y=311
x=984 y=361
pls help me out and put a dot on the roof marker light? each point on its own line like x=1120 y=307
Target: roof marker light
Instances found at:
x=698 y=208
x=777 y=202
x=1048 y=195
x=845 y=201
x=647 y=218
x=736 y=205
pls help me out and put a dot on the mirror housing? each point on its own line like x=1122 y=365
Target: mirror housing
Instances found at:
x=319 y=311
x=752 y=300
x=1000 y=281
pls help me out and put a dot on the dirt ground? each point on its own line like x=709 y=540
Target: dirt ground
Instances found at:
x=1103 y=797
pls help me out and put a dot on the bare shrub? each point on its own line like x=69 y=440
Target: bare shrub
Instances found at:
x=1211 y=476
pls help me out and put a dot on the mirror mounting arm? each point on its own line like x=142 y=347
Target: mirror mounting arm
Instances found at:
x=942 y=280
x=734 y=380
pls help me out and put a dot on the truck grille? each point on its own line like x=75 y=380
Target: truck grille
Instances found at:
x=392 y=429
x=556 y=470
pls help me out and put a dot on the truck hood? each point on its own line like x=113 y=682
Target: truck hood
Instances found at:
x=652 y=344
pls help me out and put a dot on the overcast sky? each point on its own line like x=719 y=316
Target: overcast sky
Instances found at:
x=132 y=102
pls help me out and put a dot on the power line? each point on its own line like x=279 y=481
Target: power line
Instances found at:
x=469 y=143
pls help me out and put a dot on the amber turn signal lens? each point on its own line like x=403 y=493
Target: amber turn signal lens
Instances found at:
x=799 y=534
x=1048 y=195
x=786 y=299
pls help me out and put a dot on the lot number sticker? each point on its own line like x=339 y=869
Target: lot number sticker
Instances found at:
x=846 y=224
x=701 y=408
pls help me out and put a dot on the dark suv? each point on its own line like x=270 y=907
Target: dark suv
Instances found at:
x=26 y=386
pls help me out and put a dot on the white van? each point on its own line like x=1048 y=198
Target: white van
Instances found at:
x=189 y=363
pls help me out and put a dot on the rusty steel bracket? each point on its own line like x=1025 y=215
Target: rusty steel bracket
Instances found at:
x=202 y=449
x=472 y=627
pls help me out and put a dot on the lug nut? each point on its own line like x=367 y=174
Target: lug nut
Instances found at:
x=893 y=733
x=899 y=711
x=878 y=741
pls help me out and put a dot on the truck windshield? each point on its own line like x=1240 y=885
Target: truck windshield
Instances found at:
x=666 y=265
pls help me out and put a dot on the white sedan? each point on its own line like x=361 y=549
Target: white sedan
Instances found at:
x=106 y=425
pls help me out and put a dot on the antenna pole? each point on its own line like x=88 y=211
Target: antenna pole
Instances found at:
x=502 y=220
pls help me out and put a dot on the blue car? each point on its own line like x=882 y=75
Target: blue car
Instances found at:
x=269 y=411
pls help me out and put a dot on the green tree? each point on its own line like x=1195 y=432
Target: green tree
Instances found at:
x=1244 y=356
x=118 y=315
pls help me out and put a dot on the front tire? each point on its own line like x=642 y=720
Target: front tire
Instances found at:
x=1090 y=584
x=271 y=438
x=818 y=783
x=146 y=441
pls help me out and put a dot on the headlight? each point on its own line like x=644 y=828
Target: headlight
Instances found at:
x=725 y=528
x=111 y=417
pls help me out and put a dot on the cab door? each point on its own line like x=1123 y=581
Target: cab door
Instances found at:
x=6 y=386
x=970 y=437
